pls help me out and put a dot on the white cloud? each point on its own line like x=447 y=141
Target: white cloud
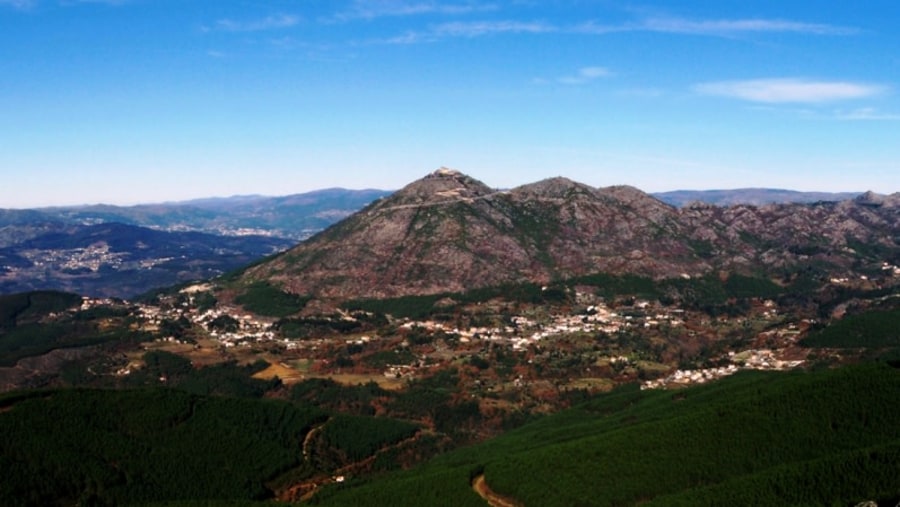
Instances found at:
x=107 y=2
x=789 y=90
x=371 y=9
x=19 y=4
x=470 y=30
x=736 y=26
x=268 y=23
x=671 y=25
x=585 y=74
x=866 y=114
x=479 y=28
x=716 y=27
x=411 y=38
x=28 y=4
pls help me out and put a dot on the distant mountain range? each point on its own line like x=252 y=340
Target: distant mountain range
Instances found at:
x=449 y=232
x=119 y=260
x=754 y=196
x=294 y=217
x=118 y=251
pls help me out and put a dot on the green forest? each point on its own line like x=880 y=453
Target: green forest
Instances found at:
x=25 y=331
x=875 y=328
x=827 y=437
x=173 y=433
x=145 y=446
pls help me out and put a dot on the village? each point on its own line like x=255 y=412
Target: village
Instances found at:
x=589 y=343
x=92 y=258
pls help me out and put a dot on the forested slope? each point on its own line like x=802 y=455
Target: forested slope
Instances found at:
x=813 y=438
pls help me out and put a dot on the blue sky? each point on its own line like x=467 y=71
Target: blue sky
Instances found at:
x=128 y=101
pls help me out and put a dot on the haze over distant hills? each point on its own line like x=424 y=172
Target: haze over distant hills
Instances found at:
x=296 y=216
x=119 y=260
x=103 y=250
x=755 y=196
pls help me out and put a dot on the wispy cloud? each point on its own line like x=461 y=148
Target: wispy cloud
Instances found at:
x=716 y=27
x=29 y=4
x=789 y=90
x=273 y=22
x=107 y=2
x=671 y=25
x=18 y=4
x=866 y=114
x=736 y=26
x=479 y=28
x=371 y=9
x=585 y=75
x=472 y=29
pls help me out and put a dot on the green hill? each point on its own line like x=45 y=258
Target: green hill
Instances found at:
x=146 y=446
x=876 y=328
x=828 y=437
x=85 y=447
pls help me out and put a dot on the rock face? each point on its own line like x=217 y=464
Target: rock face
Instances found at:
x=450 y=232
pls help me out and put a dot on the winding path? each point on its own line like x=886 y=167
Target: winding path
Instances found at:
x=493 y=499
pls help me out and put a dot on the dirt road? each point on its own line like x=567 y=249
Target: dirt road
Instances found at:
x=493 y=499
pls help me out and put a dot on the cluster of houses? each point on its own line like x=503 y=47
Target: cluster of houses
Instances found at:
x=92 y=258
x=894 y=270
x=761 y=359
x=887 y=270
x=246 y=329
x=524 y=331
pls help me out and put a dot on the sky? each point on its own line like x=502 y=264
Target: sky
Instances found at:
x=138 y=101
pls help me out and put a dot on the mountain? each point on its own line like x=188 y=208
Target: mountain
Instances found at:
x=449 y=232
x=295 y=216
x=119 y=260
x=755 y=196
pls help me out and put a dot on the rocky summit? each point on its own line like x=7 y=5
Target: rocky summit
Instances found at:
x=449 y=232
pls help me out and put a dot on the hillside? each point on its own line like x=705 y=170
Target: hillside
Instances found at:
x=803 y=438
x=123 y=447
x=448 y=232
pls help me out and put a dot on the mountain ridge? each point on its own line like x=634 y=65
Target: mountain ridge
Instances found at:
x=449 y=232
x=750 y=195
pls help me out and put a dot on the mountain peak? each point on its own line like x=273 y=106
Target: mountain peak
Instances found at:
x=442 y=185
x=554 y=188
x=445 y=172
